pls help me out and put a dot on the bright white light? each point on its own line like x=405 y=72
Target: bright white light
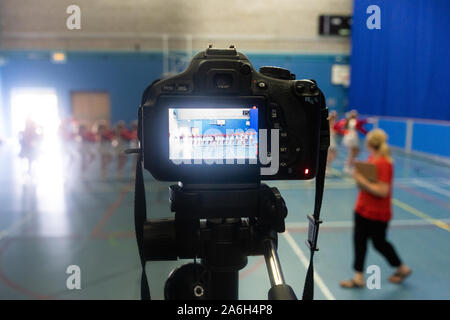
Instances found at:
x=41 y=106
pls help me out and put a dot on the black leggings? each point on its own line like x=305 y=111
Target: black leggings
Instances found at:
x=376 y=230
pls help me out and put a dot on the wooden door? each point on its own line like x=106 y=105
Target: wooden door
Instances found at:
x=91 y=107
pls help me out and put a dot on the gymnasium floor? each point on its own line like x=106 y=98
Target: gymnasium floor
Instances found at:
x=49 y=222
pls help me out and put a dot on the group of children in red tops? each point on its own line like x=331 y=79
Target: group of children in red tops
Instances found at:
x=98 y=141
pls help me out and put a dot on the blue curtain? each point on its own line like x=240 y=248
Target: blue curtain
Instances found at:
x=402 y=69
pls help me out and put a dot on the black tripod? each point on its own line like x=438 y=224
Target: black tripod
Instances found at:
x=222 y=225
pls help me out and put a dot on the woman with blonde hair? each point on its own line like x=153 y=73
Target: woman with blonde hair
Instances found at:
x=373 y=212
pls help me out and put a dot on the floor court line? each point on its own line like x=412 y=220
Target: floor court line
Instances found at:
x=431 y=187
x=425 y=196
x=99 y=227
x=349 y=224
x=15 y=286
x=439 y=223
x=305 y=261
x=344 y=183
x=14 y=226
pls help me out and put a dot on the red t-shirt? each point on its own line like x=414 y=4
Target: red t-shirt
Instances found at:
x=126 y=135
x=370 y=206
x=89 y=136
x=107 y=135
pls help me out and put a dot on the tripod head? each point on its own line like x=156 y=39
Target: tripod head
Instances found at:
x=222 y=225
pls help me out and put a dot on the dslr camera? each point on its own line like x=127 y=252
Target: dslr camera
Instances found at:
x=203 y=125
x=219 y=128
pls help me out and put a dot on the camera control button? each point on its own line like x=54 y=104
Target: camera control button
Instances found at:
x=262 y=85
x=283 y=149
x=182 y=87
x=299 y=87
x=245 y=69
x=273 y=106
x=168 y=88
x=274 y=113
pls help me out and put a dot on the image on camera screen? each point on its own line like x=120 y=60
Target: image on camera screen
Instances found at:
x=213 y=134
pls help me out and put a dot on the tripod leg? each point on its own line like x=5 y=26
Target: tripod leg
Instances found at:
x=279 y=290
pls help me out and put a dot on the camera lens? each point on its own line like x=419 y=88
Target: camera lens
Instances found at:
x=223 y=81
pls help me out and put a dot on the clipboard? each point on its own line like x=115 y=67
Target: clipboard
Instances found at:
x=368 y=170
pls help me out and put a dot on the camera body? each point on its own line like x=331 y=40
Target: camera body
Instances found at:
x=205 y=125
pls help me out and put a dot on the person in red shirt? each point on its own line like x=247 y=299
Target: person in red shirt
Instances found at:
x=349 y=128
x=373 y=212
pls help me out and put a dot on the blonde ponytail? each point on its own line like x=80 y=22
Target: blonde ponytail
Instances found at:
x=377 y=139
x=385 y=151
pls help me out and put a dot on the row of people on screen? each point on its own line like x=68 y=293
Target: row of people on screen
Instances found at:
x=98 y=142
x=244 y=138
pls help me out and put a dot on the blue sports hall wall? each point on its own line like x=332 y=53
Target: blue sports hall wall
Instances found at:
x=124 y=75
x=427 y=137
x=402 y=69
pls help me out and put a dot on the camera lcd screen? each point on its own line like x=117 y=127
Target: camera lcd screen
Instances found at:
x=213 y=134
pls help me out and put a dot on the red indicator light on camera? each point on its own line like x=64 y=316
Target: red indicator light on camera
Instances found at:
x=306 y=171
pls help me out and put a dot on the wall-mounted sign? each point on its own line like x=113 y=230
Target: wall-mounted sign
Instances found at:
x=340 y=74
